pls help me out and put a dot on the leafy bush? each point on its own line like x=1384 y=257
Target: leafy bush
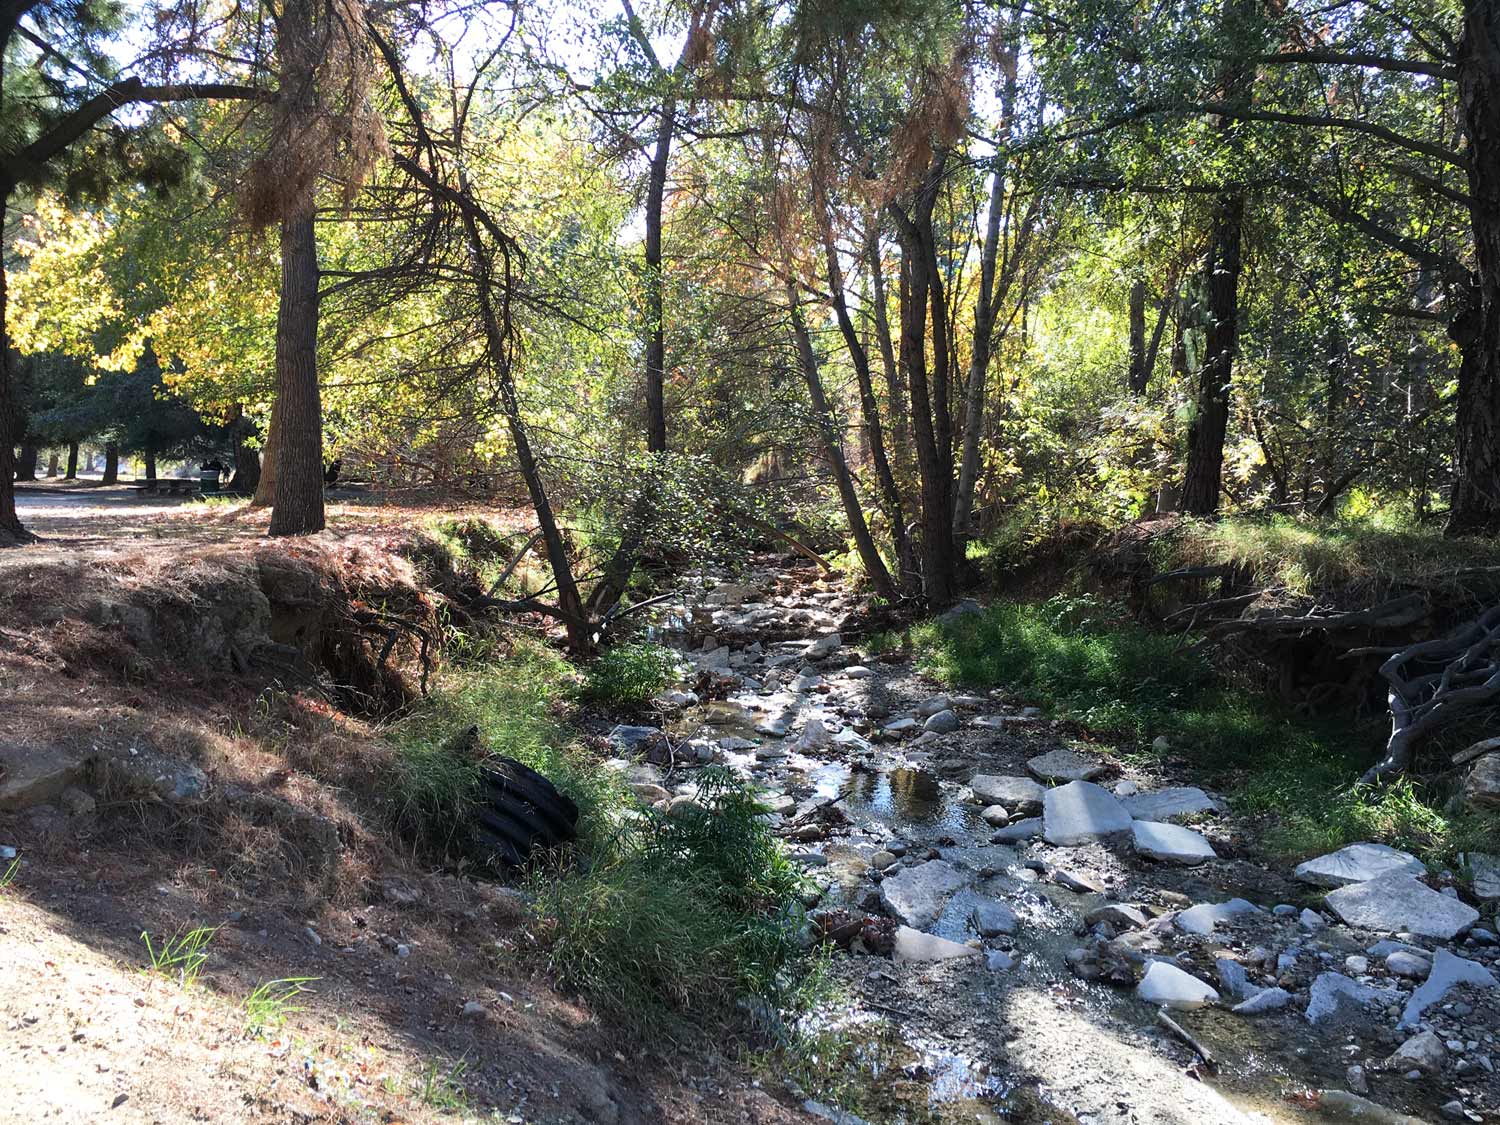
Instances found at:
x=694 y=911
x=629 y=676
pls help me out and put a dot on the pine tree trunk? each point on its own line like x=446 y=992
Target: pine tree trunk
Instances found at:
x=72 y=473
x=26 y=463
x=111 y=464
x=298 y=506
x=1475 y=500
x=12 y=420
x=52 y=464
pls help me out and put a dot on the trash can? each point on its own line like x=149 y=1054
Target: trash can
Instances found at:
x=208 y=479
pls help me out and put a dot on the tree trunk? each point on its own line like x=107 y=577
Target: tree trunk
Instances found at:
x=833 y=446
x=26 y=463
x=919 y=293
x=656 y=340
x=298 y=507
x=265 y=487
x=111 y=464
x=72 y=473
x=1140 y=374
x=12 y=417
x=1475 y=500
x=150 y=457
x=895 y=381
x=246 y=461
x=869 y=408
x=986 y=309
x=1205 y=462
x=52 y=464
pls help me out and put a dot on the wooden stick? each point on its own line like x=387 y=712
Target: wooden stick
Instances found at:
x=1182 y=1033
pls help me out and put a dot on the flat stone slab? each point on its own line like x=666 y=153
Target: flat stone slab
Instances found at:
x=992 y=918
x=1358 y=863
x=1399 y=904
x=1202 y=919
x=1448 y=970
x=1334 y=995
x=35 y=775
x=1064 y=765
x=918 y=894
x=1170 y=804
x=1266 y=1000
x=913 y=945
x=1171 y=843
x=1014 y=794
x=1171 y=987
x=1080 y=812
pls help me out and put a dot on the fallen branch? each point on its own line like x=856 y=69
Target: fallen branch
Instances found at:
x=1187 y=1037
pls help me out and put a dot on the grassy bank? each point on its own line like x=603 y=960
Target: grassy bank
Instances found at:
x=1082 y=660
x=659 y=920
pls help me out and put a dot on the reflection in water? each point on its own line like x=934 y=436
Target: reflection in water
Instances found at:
x=906 y=796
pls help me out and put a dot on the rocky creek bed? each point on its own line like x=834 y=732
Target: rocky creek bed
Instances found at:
x=1031 y=929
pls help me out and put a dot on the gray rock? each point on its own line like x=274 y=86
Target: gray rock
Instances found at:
x=1202 y=919
x=1310 y=920
x=1482 y=786
x=968 y=607
x=36 y=775
x=1170 y=987
x=1396 y=903
x=933 y=704
x=1080 y=812
x=988 y=722
x=1118 y=915
x=1170 y=804
x=1358 y=1081
x=1412 y=965
x=913 y=945
x=824 y=647
x=1358 y=863
x=902 y=726
x=944 y=722
x=1335 y=996
x=1232 y=977
x=1448 y=970
x=77 y=802
x=1484 y=872
x=473 y=1010
x=625 y=739
x=1266 y=1000
x=857 y=672
x=1171 y=843
x=1018 y=830
x=1064 y=765
x=917 y=894
x=1424 y=1052
x=992 y=918
x=882 y=860
x=995 y=816
x=999 y=961
x=1014 y=794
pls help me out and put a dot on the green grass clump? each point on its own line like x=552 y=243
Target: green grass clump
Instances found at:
x=180 y=956
x=1082 y=660
x=269 y=1003
x=628 y=676
x=692 y=912
x=511 y=703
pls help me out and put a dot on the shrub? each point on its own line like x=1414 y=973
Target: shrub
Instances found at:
x=694 y=911
x=629 y=676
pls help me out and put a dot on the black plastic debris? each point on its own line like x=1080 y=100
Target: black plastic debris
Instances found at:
x=522 y=812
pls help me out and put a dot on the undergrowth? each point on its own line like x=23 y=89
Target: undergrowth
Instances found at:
x=1082 y=660
x=692 y=912
x=657 y=919
x=628 y=676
